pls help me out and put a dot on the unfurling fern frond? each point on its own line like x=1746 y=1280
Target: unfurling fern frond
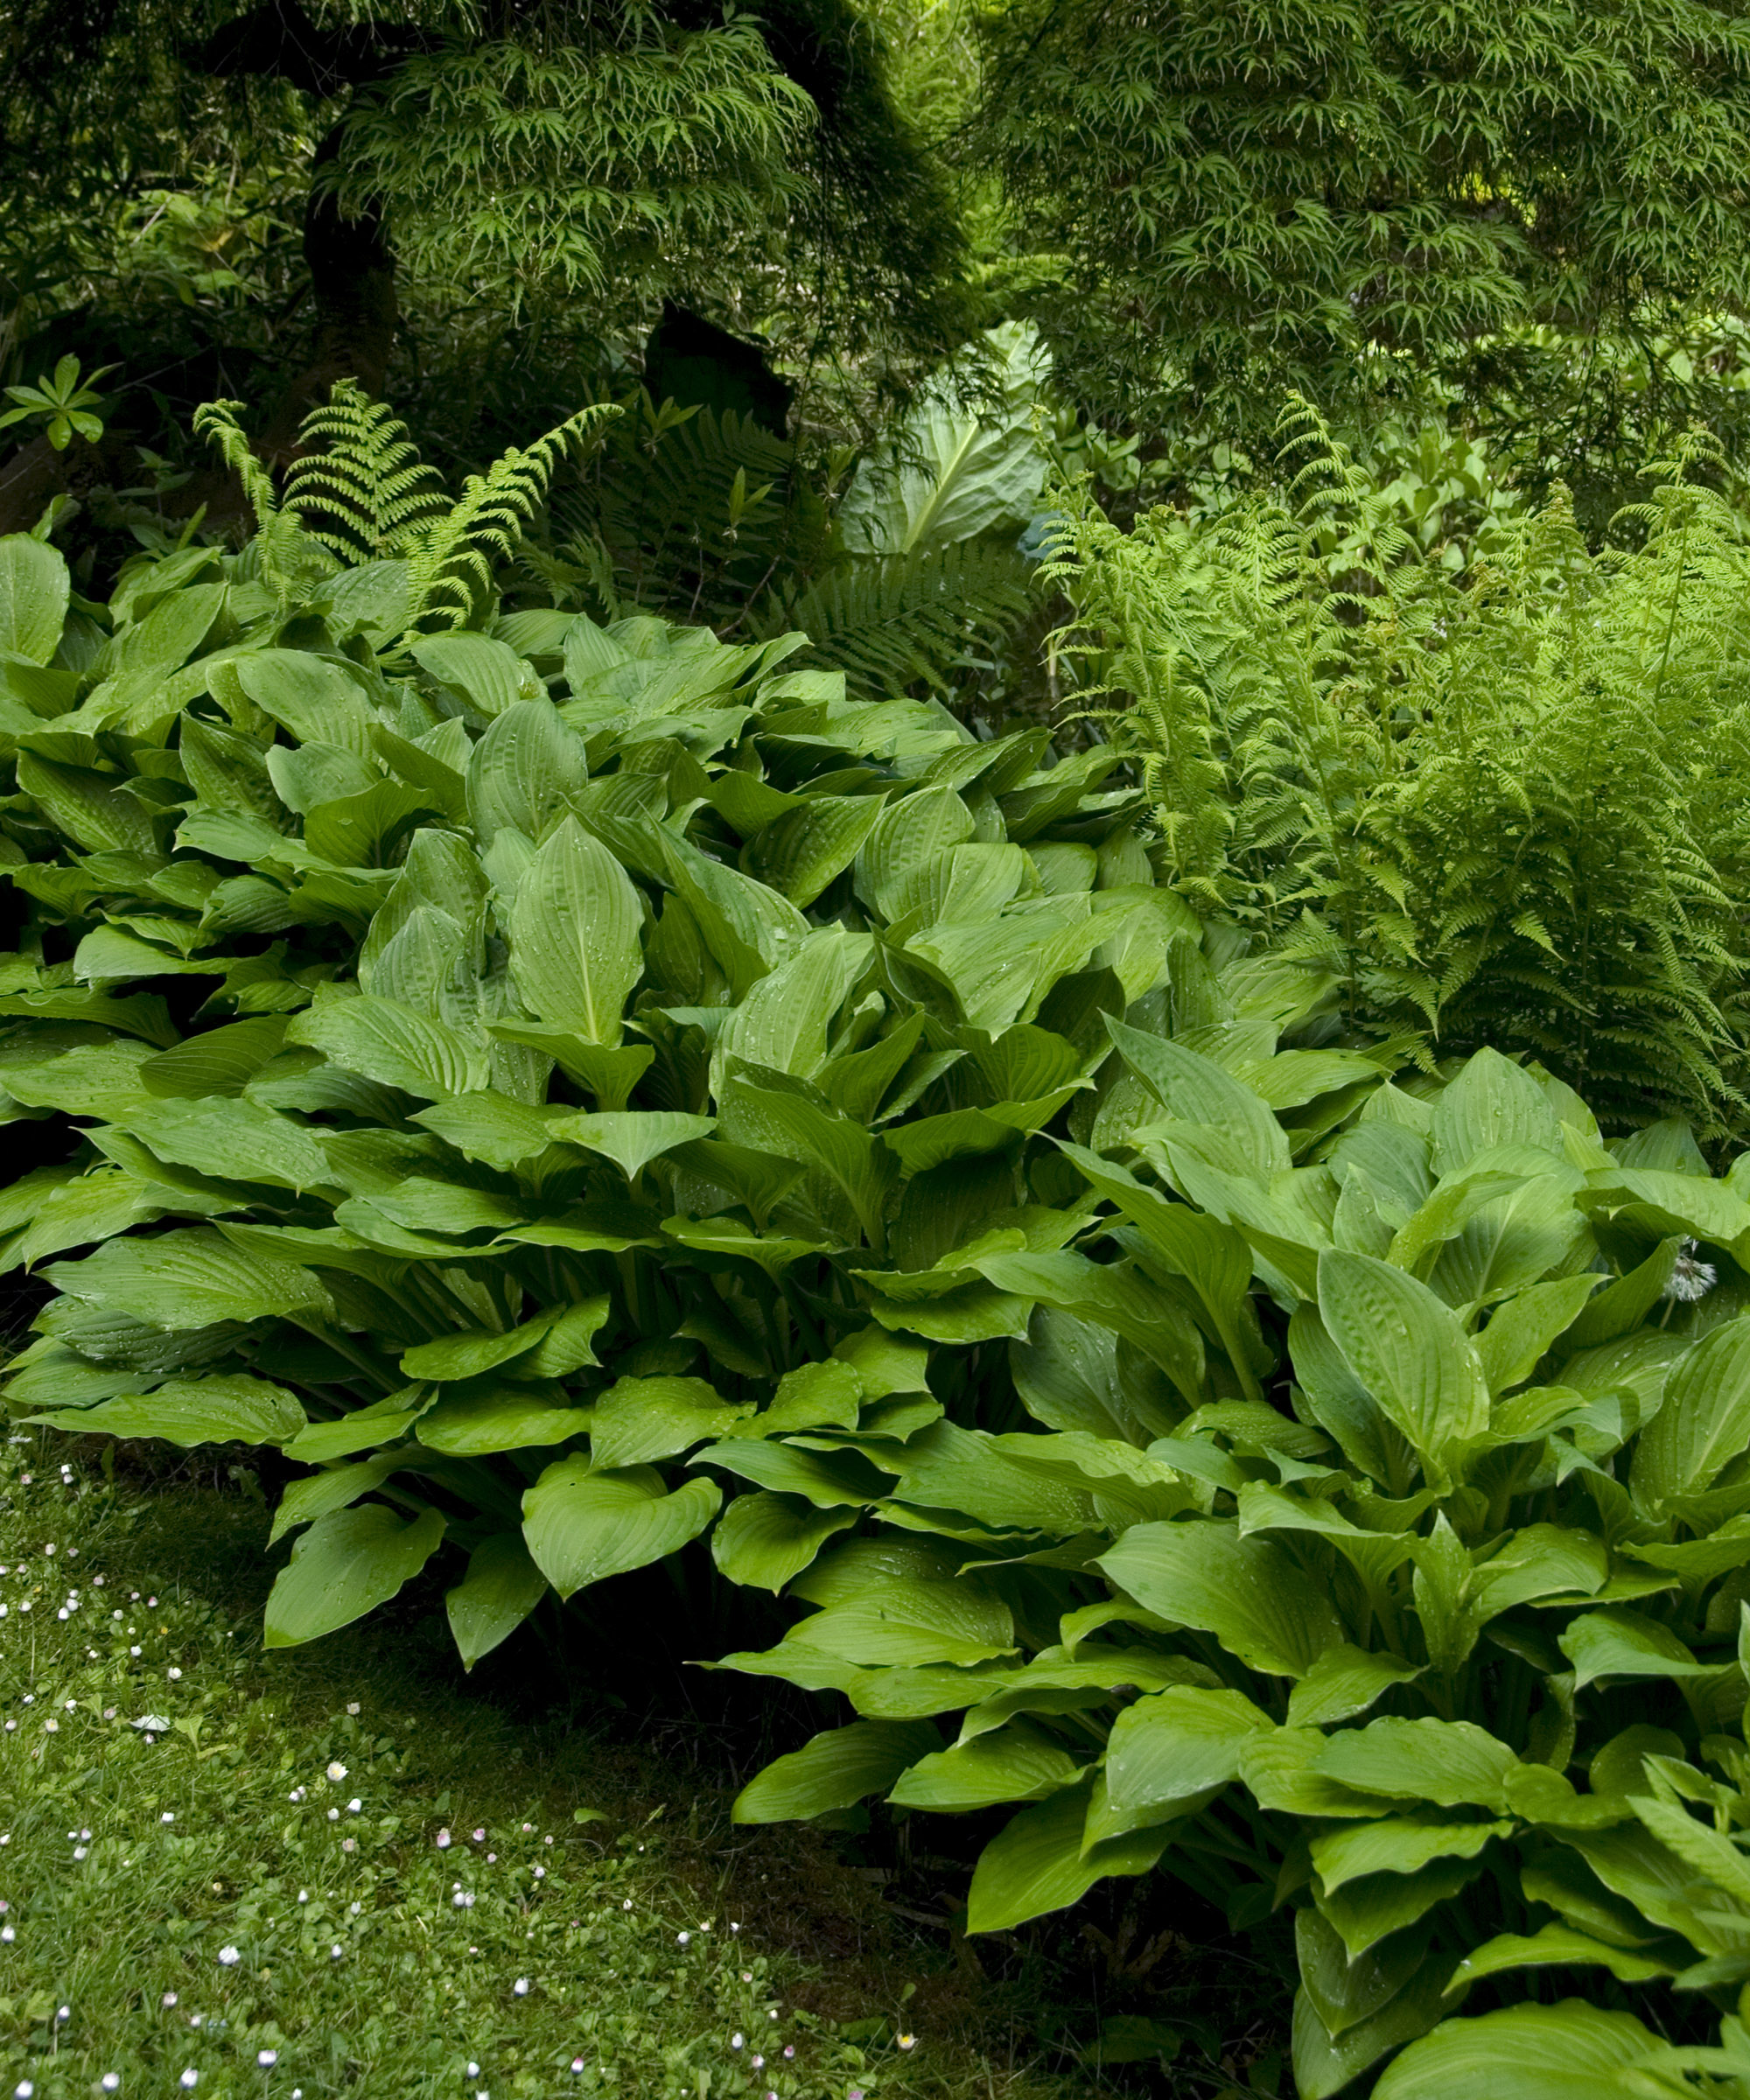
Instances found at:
x=366 y=493
x=450 y=559
x=890 y=621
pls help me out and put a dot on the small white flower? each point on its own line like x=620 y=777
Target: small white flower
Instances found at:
x=337 y=1772
x=50 y=1727
x=65 y=2013
x=333 y=1815
x=169 y=1998
x=23 y=2089
x=110 y=2081
x=228 y=1957
x=1689 y=1280
x=174 y=1674
x=80 y=1852
x=444 y=1841
x=521 y=1986
x=736 y=2041
x=684 y=1939
x=303 y=1895
x=191 y=2079
x=267 y=2058
x=627 y=1904
x=577 y=2065
x=473 y=2071
x=907 y=2041
x=353 y=1707
x=355 y=1805
x=169 y=1816
x=333 y=1954
x=7 y=1935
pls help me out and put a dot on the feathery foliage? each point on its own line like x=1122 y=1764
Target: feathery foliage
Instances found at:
x=1240 y=200
x=1501 y=804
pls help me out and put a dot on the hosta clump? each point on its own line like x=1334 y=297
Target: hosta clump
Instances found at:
x=1398 y=1574
x=506 y=1059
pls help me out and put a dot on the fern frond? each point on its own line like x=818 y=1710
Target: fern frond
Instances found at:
x=450 y=559
x=366 y=493
x=892 y=621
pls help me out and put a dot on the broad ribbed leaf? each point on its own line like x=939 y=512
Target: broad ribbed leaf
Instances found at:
x=189 y=1279
x=501 y=1587
x=834 y=1770
x=582 y=1527
x=191 y=1411
x=34 y=590
x=762 y=1540
x=1249 y=1592
x=575 y=931
x=1567 y=2051
x=1407 y=1348
x=392 y=1044
x=345 y=1565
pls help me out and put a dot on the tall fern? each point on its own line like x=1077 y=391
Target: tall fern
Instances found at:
x=1508 y=808
x=358 y=490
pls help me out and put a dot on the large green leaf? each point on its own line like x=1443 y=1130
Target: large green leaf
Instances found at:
x=1175 y=1743
x=834 y=1770
x=1407 y=1348
x=1249 y=1592
x=1705 y=1421
x=222 y=1409
x=1567 y=2051
x=638 y=1419
x=582 y=1527
x=345 y=1565
x=393 y=1044
x=1039 y=1862
x=501 y=1587
x=574 y=932
x=34 y=591
x=189 y=1279
x=522 y=772
x=762 y=1540
x=1015 y=1762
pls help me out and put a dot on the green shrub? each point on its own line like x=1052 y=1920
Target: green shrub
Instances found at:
x=512 y=1056
x=1506 y=803
x=1431 y=1650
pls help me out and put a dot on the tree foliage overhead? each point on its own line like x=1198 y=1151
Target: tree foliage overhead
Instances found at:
x=1264 y=192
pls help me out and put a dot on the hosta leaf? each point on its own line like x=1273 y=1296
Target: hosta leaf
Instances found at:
x=1195 y=1089
x=392 y=1044
x=1567 y=2051
x=907 y=1620
x=1013 y=1763
x=574 y=932
x=490 y=1127
x=317 y=701
x=1705 y=1421
x=1608 y=1643
x=335 y=1488
x=582 y=1527
x=1364 y=1913
x=1345 y=1681
x=1174 y=1745
x=1249 y=1592
x=632 y=1139
x=191 y=1411
x=501 y=1587
x=1521 y=1330
x=835 y=1770
x=1039 y=1862
x=34 y=591
x=1399 y=1846
x=1407 y=1348
x=222 y=1061
x=230 y=1138
x=522 y=771
x=801 y=853
x=830 y=1481
x=1492 y=1101
x=638 y=1419
x=1447 y=1762
x=466 y=1424
x=1553 y=1946
x=189 y=1279
x=345 y=1565
x=763 y=1540
x=381 y=1422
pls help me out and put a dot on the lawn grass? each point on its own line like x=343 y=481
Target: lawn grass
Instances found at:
x=336 y=1871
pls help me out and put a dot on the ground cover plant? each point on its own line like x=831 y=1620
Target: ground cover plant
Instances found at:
x=179 y=1899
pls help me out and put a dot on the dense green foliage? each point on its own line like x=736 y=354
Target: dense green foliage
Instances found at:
x=1503 y=803
x=1242 y=201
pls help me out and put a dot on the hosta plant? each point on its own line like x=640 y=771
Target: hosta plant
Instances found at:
x=1383 y=1556
x=506 y=1059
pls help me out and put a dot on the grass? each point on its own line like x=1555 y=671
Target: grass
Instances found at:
x=336 y=1872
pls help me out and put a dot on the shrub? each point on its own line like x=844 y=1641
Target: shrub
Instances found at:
x=1406 y=1589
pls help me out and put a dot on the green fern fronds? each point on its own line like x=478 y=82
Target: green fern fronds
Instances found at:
x=284 y=553
x=891 y=621
x=366 y=493
x=450 y=559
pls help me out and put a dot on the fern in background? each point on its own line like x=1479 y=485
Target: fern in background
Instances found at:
x=1506 y=808
x=365 y=493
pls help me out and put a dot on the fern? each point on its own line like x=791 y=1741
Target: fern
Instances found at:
x=1506 y=809
x=891 y=621
x=450 y=558
x=365 y=493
